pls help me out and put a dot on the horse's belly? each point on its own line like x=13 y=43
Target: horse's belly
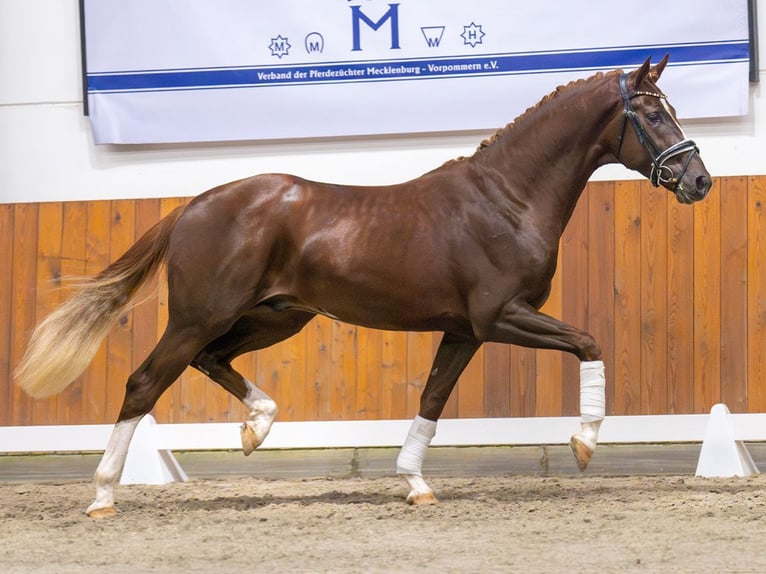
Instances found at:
x=399 y=307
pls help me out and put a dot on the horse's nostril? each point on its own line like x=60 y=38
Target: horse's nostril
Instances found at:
x=703 y=184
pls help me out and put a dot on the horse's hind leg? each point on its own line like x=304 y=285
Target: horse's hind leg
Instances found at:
x=164 y=365
x=259 y=329
x=452 y=357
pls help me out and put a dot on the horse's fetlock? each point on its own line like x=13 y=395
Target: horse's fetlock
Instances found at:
x=264 y=408
x=590 y=350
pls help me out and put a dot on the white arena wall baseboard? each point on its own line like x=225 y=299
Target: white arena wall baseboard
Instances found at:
x=384 y=433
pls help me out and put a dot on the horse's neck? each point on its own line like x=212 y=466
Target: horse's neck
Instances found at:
x=546 y=158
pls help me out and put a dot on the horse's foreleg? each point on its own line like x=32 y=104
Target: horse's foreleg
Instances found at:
x=521 y=324
x=453 y=355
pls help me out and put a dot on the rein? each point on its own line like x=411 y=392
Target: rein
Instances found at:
x=659 y=169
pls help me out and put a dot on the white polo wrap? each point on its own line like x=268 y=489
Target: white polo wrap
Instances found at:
x=410 y=460
x=592 y=391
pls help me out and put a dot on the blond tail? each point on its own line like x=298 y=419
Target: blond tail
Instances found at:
x=63 y=345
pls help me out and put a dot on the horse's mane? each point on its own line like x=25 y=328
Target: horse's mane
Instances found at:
x=532 y=109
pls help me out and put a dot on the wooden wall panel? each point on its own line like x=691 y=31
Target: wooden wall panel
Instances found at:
x=395 y=375
x=627 y=298
x=522 y=364
x=497 y=392
x=706 y=338
x=369 y=349
x=319 y=369
x=733 y=379
x=470 y=389
x=675 y=295
x=680 y=308
x=6 y=279
x=23 y=303
x=343 y=379
x=756 y=294
x=652 y=297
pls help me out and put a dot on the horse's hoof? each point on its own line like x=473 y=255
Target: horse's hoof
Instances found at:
x=422 y=499
x=581 y=451
x=249 y=442
x=105 y=512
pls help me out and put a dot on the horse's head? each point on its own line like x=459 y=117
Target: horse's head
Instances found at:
x=651 y=141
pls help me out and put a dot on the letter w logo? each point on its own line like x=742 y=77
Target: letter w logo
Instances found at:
x=358 y=16
x=433 y=35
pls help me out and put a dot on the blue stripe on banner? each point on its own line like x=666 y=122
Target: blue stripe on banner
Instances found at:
x=410 y=69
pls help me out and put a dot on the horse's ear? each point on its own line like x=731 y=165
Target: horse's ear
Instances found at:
x=657 y=70
x=640 y=74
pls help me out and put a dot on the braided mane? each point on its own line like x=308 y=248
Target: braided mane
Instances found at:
x=529 y=111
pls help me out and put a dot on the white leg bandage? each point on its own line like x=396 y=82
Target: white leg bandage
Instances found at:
x=410 y=460
x=592 y=402
x=592 y=391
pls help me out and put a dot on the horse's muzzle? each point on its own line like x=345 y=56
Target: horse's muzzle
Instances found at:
x=696 y=192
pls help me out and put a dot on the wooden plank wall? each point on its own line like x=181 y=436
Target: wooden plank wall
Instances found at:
x=676 y=296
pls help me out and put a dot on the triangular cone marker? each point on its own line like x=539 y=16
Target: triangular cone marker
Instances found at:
x=722 y=455
x=147 y=465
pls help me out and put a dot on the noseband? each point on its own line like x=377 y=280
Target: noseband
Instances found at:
x=660 y=172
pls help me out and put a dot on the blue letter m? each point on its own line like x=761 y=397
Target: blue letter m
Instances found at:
x=358 y=15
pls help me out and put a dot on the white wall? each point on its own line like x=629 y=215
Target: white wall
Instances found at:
x=47 y=152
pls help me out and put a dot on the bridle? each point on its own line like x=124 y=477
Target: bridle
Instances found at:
x=660 y=172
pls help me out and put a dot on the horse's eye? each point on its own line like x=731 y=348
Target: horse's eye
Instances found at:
x=654 y=117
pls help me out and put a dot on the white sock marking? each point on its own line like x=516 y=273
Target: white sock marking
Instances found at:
x=110 y=467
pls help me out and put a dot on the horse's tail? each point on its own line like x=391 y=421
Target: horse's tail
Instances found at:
x=63 y=345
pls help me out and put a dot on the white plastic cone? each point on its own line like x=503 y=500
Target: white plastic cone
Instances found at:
x=147 y=465
x=722 y=455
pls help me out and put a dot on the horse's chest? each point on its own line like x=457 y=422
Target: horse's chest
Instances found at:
x=525 y=251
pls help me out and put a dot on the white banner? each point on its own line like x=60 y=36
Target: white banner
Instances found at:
x=203 y=70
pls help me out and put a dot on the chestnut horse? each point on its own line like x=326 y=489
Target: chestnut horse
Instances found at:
x=468 y=249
